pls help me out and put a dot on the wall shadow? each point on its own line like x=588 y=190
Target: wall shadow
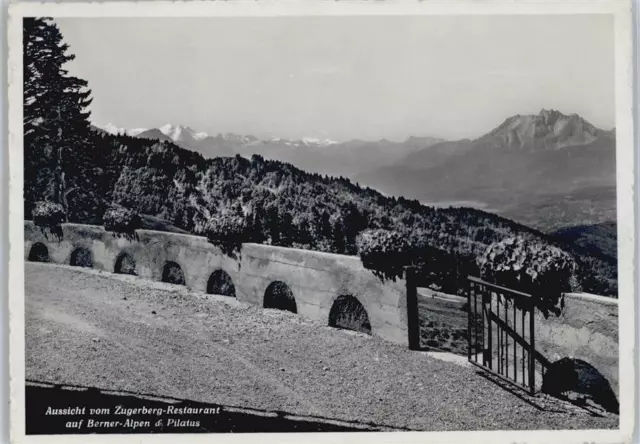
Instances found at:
x=538 y=401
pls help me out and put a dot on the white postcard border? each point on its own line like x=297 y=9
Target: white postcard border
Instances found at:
x=620 y=9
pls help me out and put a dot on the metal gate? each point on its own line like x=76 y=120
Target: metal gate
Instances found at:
x=501 y=332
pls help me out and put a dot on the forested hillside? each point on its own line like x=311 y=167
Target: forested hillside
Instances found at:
x=86 y=171
x=281 y=204
x=600 y=239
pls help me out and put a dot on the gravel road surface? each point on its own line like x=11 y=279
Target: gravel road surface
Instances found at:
x=120 y=332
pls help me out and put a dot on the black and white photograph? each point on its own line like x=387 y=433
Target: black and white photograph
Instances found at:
x=263 y=221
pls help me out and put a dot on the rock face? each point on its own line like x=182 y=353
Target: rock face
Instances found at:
x=550 y=129
x=577 y=376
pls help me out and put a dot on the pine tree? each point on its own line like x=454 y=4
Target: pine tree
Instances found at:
x=338 y=237
x=257 y=229
x=56 y=118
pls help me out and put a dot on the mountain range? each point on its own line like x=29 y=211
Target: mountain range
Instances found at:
x=322 y=156
x=548 y=171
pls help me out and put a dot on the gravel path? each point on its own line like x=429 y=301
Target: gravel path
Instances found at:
x=96 y=329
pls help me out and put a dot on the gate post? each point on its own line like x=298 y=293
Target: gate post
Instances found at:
x=532 y=346
x=469 y=286
x=413 y=321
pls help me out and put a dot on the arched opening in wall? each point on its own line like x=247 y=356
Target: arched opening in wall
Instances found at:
x=81 y=257
x=571 y=375
x=220 y=283
x=278 y=295
x=172 y=274
x=348 y=313
x=125 y=264
x=39 y=253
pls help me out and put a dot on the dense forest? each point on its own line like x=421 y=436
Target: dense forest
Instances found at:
x=86 y=171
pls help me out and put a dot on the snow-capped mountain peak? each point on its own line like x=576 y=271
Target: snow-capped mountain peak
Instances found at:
x=113 y=129
x=315 y=141
x=180 y=133
x=185 y=135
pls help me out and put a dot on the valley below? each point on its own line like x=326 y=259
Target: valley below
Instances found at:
x=544 y=212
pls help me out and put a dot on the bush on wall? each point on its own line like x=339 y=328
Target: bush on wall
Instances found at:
x=49 y=217
x=540 y=269
x=121 y=220
x=227 y=231
x=385 y=252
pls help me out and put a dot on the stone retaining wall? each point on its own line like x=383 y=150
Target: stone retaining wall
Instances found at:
x=315 y=279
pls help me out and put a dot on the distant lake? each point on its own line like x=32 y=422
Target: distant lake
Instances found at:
x=478 y=205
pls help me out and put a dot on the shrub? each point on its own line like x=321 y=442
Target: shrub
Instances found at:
x=48 y=214
x=539 y=269
x=121 y=220
x=49 y=217
x=227 y=231
x=385 y=252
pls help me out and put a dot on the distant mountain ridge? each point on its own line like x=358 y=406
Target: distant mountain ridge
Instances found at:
x=547 y=170
x=323 y=156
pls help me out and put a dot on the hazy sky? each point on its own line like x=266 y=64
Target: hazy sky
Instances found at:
x=343 y=77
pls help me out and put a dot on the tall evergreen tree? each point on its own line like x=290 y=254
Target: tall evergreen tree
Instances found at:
x=56 y=117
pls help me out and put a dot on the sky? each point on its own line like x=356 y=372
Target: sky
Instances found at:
x=343 y=77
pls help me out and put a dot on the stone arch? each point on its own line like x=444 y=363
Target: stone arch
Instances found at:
x=39 y=253
x=278 y=295
x=125 y=264
x=81 y=257
x=348 y=313
x=172 y=273
x=220 y=283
